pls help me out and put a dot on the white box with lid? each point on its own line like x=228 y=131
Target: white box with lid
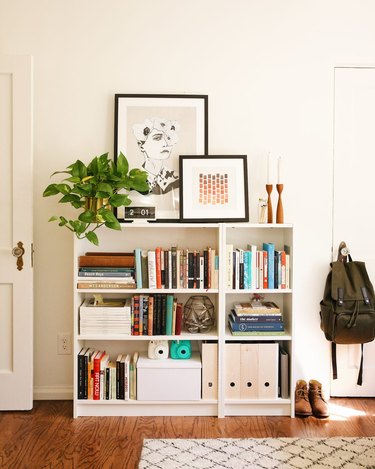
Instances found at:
x=169 y=379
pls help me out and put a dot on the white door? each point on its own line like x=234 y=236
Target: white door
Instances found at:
x=16 y=281
x=354 y=203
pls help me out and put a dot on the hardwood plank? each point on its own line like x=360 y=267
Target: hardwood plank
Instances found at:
x=48 y=436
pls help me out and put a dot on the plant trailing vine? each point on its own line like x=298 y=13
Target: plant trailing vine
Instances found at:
x=95 y=189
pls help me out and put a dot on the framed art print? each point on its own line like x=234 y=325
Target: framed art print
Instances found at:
x=213 y=188
x=152 y=131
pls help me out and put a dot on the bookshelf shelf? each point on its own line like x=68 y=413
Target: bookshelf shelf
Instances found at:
x=197 y=237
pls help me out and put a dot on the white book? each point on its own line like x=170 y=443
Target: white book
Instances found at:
x=151 y=263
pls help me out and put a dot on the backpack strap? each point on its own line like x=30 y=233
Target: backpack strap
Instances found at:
x=360 y=373
x=334 y=361
x=334 y=364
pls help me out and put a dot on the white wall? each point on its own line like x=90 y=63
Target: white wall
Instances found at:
x=267 y=67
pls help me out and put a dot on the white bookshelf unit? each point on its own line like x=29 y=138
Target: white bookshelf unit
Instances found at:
x=195 y=236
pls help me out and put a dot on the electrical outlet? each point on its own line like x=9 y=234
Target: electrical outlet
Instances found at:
x=64 y=343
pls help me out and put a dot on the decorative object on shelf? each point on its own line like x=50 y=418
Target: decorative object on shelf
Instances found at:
x=158 y=349
x=180 y=349
x=269 y=188
x=257 y=300
x=199 y=314
x=280 y=209
x=155 y=129
x=94 y=189
x=216 y=188
x=262 y=211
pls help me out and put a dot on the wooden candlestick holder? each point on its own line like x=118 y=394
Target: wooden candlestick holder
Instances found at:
x=269 y=188
x=280 y=209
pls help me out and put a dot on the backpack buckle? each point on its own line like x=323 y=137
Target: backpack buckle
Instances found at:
x=340 y=296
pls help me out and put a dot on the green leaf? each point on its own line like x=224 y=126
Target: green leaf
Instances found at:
x=78 y=169
x=63 y=188
x=63 y=221
x=53 y=218
x=122 y=164
x=88 y=216
x=107 y=215
x=92 y=168
x=103 y=162
x=92 y=237
x=104 y=188
x=113 y=225
x=118 y=200
x=83 y=189
x=78 y=226
x=70 y=198
x=52 y=189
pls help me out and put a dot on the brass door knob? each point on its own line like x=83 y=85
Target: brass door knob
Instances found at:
x=18 y=252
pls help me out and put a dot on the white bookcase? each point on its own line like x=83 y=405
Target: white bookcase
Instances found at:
x=187 y=236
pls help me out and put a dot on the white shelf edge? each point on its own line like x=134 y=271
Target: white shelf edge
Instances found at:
x=259 y=290
x=183 y=336
x=136 y=402
x=133 y=291
x=277 y=401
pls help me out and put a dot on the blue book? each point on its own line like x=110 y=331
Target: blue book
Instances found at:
x=270 y=248
x=246 y=270
x=259 y=326
x=255 y=318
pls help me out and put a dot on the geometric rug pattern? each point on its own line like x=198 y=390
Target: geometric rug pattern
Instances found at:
x=265 y=453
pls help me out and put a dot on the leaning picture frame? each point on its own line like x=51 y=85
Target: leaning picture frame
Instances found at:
x=213 y=188
x=152 y=130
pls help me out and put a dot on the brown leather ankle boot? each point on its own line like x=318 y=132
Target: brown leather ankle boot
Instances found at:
x=318 y=403
x=302 y=403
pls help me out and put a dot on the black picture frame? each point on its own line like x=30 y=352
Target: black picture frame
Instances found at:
x=180 y=122
x=214 y=188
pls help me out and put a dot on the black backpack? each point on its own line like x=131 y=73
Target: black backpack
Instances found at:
x=347 y=314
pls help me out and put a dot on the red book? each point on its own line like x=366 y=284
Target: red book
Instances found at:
x=96 y=386
x=135 y=304
x=158 y=267
x=283 y=269
x=178 y=327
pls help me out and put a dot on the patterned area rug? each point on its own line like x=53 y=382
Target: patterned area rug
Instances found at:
x=265 y=453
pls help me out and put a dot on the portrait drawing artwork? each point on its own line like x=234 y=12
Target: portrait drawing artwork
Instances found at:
x=152 y=131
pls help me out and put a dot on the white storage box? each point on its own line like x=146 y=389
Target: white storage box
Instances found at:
x=169 y=380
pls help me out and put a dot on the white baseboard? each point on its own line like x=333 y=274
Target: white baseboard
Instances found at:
x=53 y=393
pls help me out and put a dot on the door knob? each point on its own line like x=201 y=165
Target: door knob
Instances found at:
x=18 y=252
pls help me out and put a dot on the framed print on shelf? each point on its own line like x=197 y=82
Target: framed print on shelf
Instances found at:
x=213 y=189
x=152 y=130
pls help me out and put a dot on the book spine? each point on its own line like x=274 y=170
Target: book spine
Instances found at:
x=138 y=267
x=174 y=266
x=179 y=312
x=151 y=269
x=260 y=326
x=135 y=315
x=158 y=267
x=94 y=273
x=150 y=315
x=96 y=384
x=169 y=314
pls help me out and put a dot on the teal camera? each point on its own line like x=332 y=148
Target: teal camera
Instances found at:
x=180 y=349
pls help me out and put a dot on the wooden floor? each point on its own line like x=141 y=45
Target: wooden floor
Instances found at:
x=48 y=436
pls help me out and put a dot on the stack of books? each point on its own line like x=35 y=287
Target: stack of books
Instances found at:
x=110 y=317
x=250 y=319
x=106 y=270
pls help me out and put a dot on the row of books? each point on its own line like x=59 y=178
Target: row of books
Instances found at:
x=100 y=378
x=256 y=319
x=154 y=268
x=176 y=268
x=148 y=314
x=253 y=268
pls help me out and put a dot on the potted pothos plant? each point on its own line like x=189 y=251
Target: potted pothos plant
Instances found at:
x=94 y=189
